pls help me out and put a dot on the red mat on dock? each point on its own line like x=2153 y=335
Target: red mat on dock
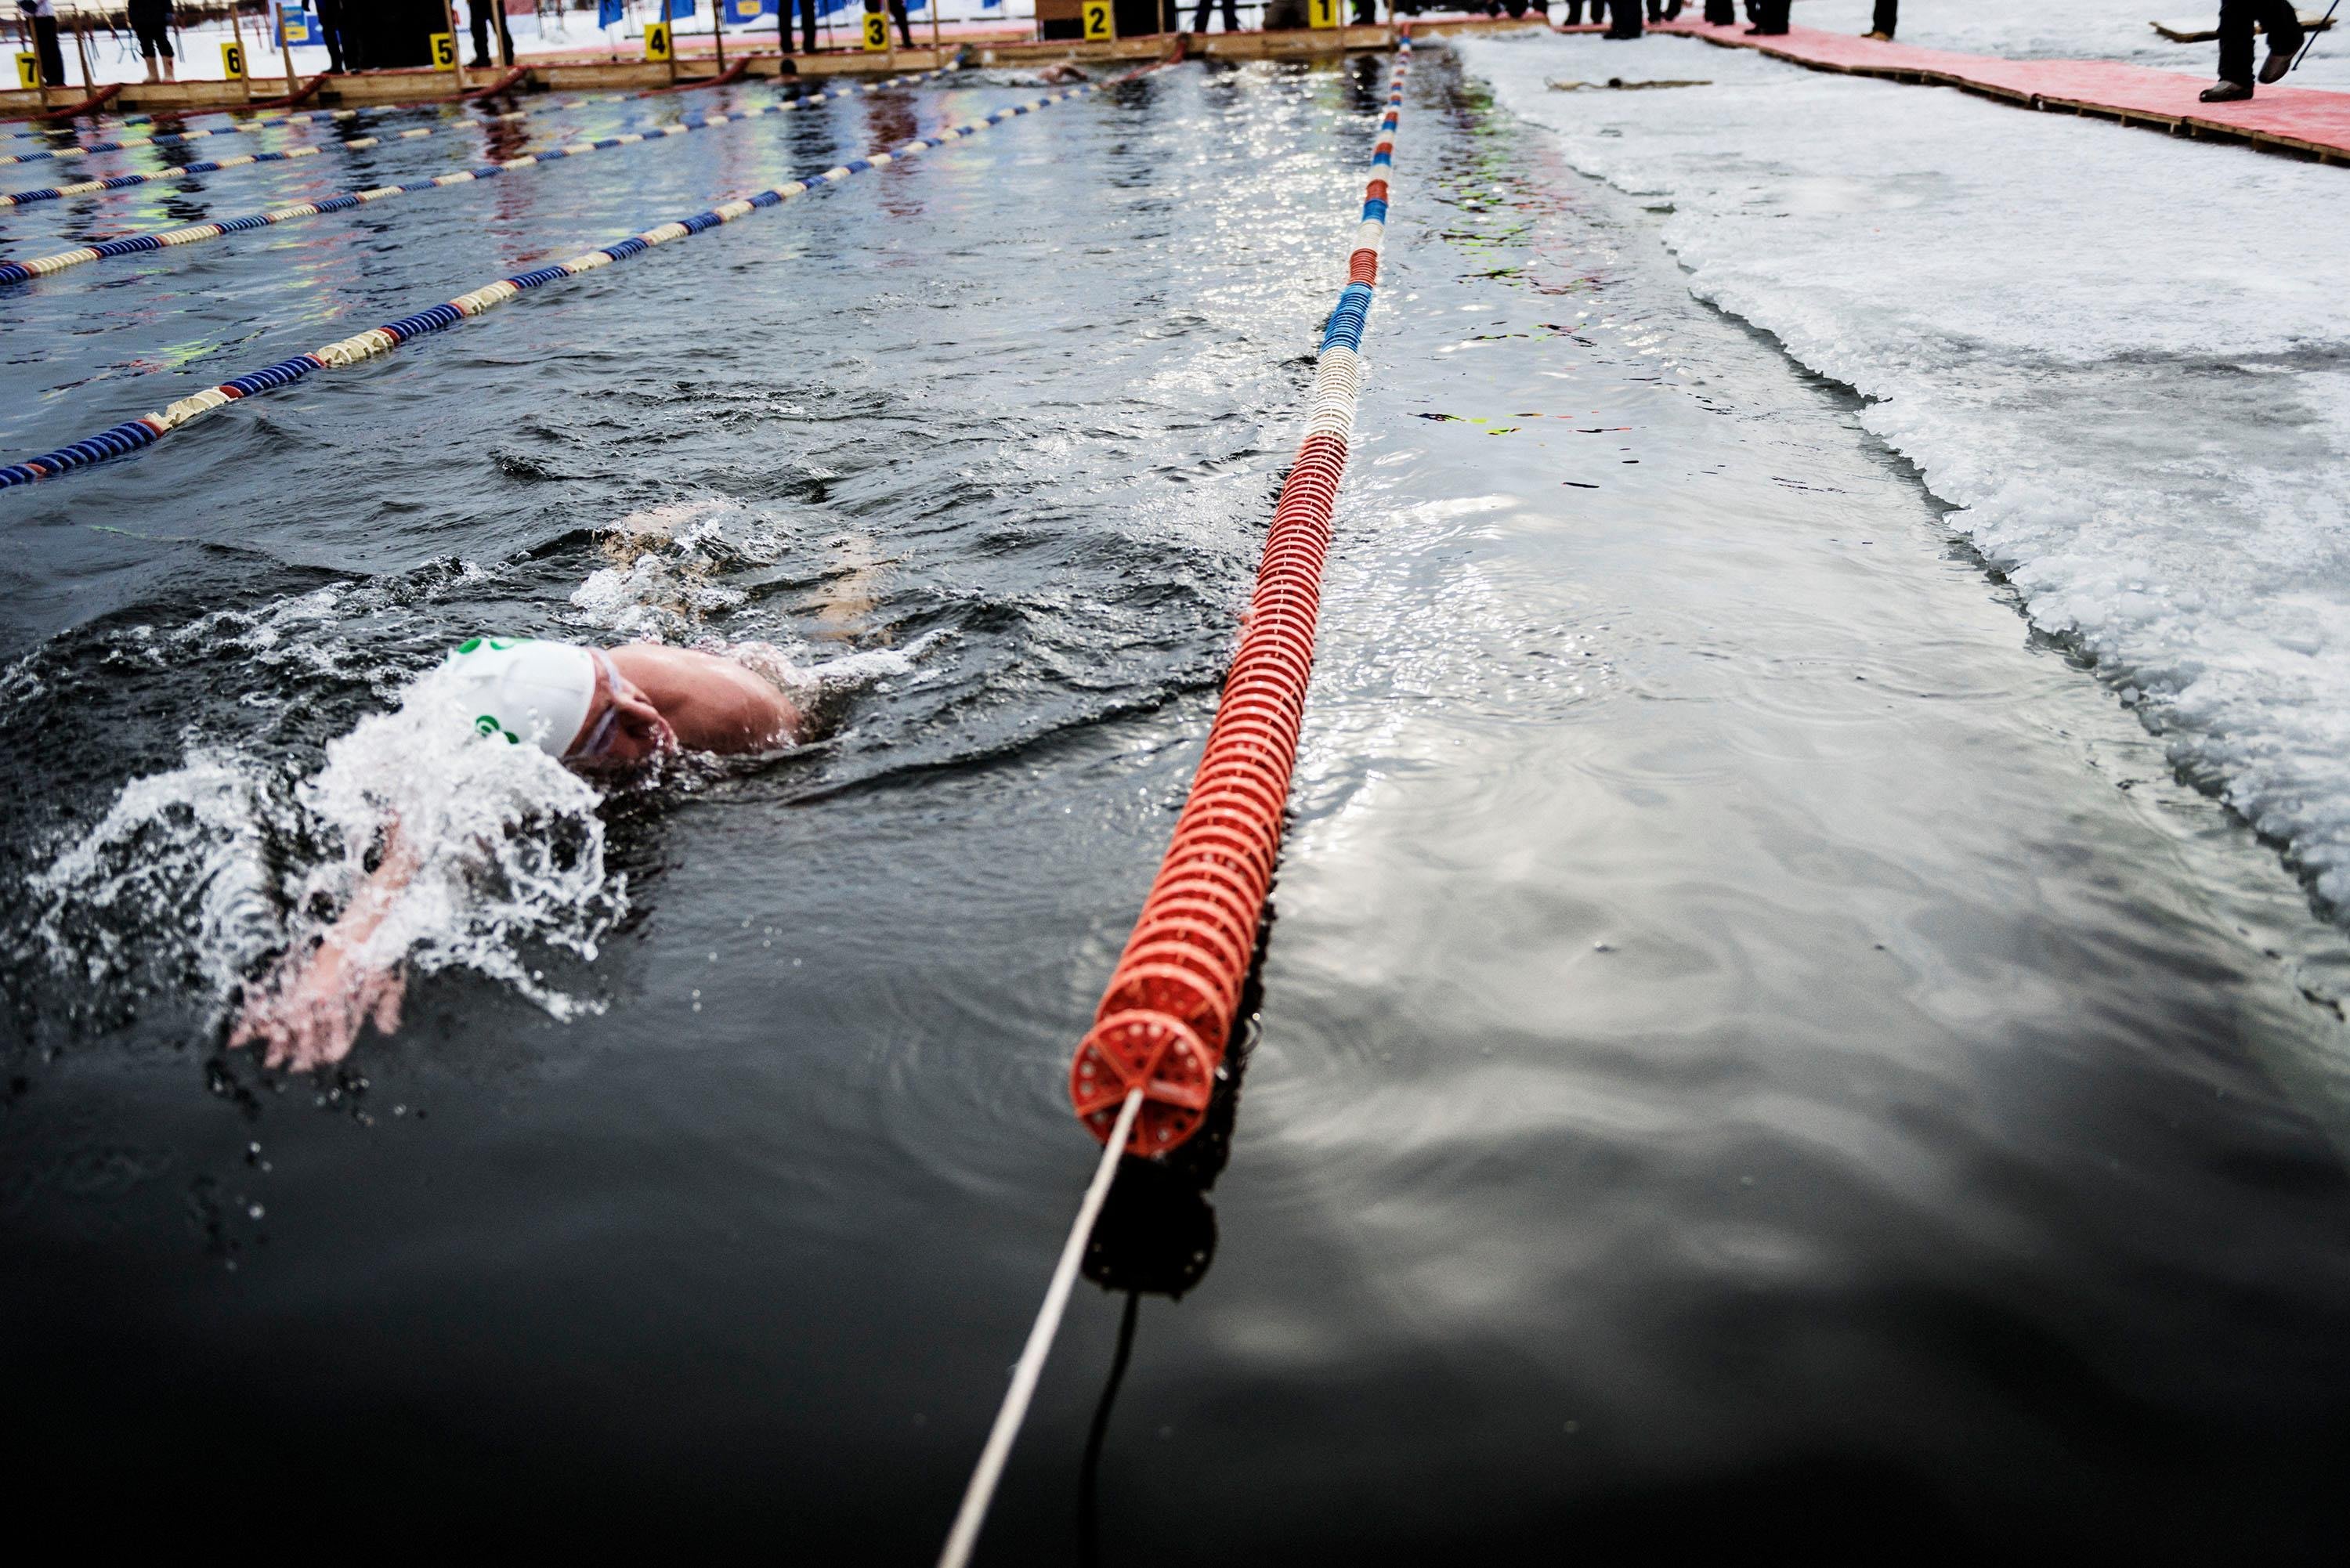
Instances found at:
x=2302 y=118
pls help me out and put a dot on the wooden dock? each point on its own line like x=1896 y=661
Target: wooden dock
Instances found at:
x=375 y=88
x=2302 y=122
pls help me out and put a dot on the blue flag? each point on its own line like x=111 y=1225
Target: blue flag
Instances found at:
x=678 y=8
x=607 y=13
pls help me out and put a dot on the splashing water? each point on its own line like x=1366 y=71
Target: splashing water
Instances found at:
x=198 y=876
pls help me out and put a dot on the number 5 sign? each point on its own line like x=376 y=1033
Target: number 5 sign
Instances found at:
x=1100 y=23
x=444 y=52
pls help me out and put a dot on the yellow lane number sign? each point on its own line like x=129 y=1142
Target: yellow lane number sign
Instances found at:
x=1322 y=13
x=657 y=41
x=444 y=52
x=233 y=61
x=1100 y=21
x=28 y=70
x=877 y=32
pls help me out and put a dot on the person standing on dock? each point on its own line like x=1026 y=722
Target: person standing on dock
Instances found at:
x=2284 y=28
x=1769 y=18
x=1200 y=18
x=1883 y=20
x=482 y=11
x=150 y=23
x=40 y=19
x=331 y=27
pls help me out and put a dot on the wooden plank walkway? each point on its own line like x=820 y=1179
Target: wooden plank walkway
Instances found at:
x=2303 y=121
x=572 y=74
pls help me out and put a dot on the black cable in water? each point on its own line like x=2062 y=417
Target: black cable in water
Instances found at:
x=1090 y=1477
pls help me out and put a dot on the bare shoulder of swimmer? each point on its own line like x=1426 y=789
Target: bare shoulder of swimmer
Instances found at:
x=713 y=704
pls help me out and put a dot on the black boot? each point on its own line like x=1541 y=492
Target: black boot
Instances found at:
x=2281 y=52
x=2225 y=91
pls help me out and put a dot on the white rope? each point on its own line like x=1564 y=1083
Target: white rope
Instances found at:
x=1000 y=1437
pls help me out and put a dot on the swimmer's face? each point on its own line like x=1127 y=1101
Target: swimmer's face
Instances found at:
x=623 y=727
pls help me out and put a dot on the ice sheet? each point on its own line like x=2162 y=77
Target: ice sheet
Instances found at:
x=2121 y=355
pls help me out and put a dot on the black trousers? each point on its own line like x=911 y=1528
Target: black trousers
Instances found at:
x=1626 y=23
x=1770 y=18
x=1367 y=13
x=330 y=22
x=2236 y=19
x=1720 y=13
x=45 y=44
x=150 y=23
x=1200 y=18
x=481 y=10
x=1886 y=17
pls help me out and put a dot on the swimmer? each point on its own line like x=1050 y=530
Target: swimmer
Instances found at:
x=1060 y=73
x=597 y=711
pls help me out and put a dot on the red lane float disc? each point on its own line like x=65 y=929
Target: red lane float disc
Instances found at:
x=1175 y=1070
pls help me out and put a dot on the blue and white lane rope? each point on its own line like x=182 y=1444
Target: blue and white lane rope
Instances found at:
x=692 y=122
x=160 y=138
x=266 y=121
x=146 y=431
x=343 y=201
x=299 y=116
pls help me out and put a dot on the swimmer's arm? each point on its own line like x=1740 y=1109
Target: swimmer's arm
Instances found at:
x=314 y=1011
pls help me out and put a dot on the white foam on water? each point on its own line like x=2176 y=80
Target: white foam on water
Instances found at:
x=508 y=844
x=190 y=843
x=2123 y=356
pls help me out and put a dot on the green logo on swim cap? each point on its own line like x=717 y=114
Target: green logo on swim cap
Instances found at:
x=488 y=725
x=498 y=644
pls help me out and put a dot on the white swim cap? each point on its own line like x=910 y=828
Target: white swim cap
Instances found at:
x=525 y=689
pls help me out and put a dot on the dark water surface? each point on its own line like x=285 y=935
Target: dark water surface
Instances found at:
x=1753 y=1048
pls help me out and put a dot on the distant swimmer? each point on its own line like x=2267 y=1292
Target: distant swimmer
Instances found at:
x=1060 y=74
x=597 y=711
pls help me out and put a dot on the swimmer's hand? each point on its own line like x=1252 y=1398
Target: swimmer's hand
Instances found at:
x=313 y=1017
x=313 y=1010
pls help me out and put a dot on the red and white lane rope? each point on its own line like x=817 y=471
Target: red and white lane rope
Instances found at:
x=1144 y=1073
x=1168 y=1015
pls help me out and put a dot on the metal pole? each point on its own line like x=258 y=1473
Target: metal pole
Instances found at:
x=236 y=30
x=81 y=48
x=457 y=50
x=718 y=32
x=285 y=50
